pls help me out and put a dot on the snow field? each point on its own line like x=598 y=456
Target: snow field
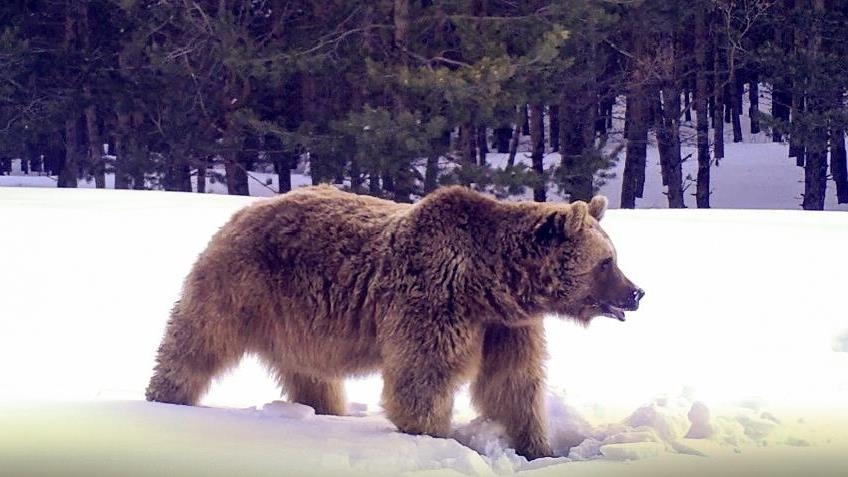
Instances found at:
x=734 y=365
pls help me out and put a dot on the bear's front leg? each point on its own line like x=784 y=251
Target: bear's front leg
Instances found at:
x=423 y=365
x=510 y=386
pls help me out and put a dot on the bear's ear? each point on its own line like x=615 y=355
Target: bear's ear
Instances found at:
x=597 y=207
x=577 y=212
x=551 y=228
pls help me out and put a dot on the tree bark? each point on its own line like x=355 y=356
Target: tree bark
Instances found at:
x=525 y=124
x=122 y=154
x=68 y=167
x=516 y=136
x=537 y=139
x=719 y=95
x=817 y=104
x=668 y=137
x=702 y=193
x=667 y=99
x=95 y=143
x=431 y=172
x=503 y=135
x=482 y=145
x=737 y=89
x=202 y=162
x=839 y=164
x=636 y=126
x=754 y=103
x=553 y=126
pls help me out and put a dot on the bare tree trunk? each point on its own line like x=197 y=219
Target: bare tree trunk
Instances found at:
x=754 y=103
x=503 y=135
x=737 y=88
x=482 y=144
x=668 y=137
x=122 y=151
x=95 y=144
x=525 y=128
x=839 y=165
x=202 y=166
x=798 y=103
x=668 y=131
x=815 y=166
x=702 y=194
x=69 y=168
x=553 y=126
x=537 y=139
x=281 y=159
x=235 y=166
x=431 y=172
x=636 y=126
x=718 y=94
x=516 y=136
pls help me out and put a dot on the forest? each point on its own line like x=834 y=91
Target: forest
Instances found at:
x=394 y=98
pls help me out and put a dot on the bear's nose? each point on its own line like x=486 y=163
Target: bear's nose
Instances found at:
x=633 y=299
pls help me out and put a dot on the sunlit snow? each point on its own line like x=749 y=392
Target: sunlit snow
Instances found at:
x=739 y=341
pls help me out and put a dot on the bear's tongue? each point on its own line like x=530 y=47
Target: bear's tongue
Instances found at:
x=614 y=312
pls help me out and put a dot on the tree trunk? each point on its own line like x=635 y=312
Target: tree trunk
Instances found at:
x=718 y=94
x=687 y=104
x=282 y=161
x=431 y=172
x=839 y=165
x=525 y=124
x=815 y=180
x=796 y=110
x=537 y=140
x=467 y=142
x=636 y=126
x=737 y=90
x=667 y=98
x=577 y=132
x=482 y=144
x=702 y=193
x=502 y=138
x=202 y=162
x=236 y=165
x=817 y=104
x=553 y=120
x=68 y=167
x=95 y=143
x=668 y=139
x=122 y=151
x=797 y=105
x=516 y=136
x=754 y=103
x=780 y=101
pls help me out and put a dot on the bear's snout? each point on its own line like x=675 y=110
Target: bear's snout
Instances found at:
x=632 y=302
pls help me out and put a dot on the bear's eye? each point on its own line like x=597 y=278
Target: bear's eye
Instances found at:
x=605 y=265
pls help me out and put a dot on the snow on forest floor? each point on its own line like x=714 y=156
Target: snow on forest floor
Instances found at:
x=755 y=175
x=742 y=333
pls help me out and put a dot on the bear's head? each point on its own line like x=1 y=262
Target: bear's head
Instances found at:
x=578 y=274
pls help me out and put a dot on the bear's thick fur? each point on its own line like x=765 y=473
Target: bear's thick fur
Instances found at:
x=322 y=284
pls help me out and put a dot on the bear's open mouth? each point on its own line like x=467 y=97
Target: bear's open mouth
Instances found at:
x=611 y=311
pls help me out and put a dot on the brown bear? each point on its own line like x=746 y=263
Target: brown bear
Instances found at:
x=322 y=285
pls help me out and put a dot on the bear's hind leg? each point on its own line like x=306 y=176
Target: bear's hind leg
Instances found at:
x=326 y=396
x=510 y=386
x=191 y=354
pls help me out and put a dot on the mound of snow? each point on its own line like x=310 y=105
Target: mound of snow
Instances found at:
x=840 y=342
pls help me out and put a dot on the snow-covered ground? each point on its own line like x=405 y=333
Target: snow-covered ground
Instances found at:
x=736 y=364
x=756 y=174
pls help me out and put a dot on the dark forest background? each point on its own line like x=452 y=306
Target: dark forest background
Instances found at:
x=380 y=95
